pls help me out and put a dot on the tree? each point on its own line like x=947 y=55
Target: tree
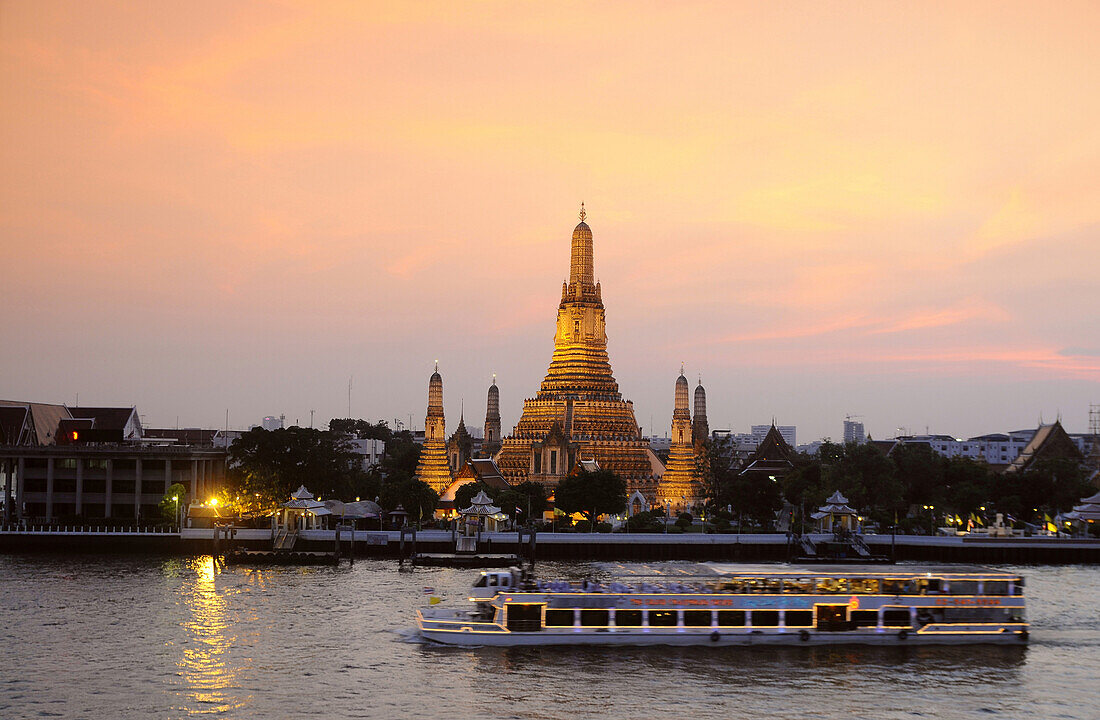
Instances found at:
x=591 y=494
x=753 y=495
x=268 y=465
x=465 y=494
x=528 y=497
x=172 y=502
x=414 y=495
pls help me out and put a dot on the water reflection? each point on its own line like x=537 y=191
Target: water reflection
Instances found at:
x=204 y=666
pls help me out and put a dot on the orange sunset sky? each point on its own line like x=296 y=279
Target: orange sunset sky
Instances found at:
x=884 y=209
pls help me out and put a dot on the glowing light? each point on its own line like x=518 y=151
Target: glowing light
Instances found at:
x=213 y=502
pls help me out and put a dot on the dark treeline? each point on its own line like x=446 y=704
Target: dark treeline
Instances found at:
x=266 y=466
x=920 y=486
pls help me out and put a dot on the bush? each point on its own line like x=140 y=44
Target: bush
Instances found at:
x=603 y=527
x=684 y=521
x=643 y=522
x=582 y=526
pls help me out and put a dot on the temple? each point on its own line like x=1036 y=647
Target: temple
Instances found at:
x=679 y=488
x=490 y=445
x=578 y=413
x=433 y=467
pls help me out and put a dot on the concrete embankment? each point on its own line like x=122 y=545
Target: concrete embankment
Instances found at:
x=568 y=546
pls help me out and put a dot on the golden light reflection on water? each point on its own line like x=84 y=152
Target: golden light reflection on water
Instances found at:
x=205 y=666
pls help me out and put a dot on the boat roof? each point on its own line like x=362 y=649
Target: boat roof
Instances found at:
x=716 y=570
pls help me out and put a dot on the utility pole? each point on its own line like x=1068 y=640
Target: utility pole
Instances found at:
x=349 y=397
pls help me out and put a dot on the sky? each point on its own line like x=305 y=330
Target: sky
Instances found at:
x=884 y=210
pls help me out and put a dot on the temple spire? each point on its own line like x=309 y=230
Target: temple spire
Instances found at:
x=580 y=261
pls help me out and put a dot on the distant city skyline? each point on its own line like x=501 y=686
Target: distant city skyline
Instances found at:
x=823 y=210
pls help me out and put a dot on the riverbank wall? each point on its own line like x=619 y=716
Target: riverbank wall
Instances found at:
x=562 y=546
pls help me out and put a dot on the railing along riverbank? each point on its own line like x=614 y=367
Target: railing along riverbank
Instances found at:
x=761 y=547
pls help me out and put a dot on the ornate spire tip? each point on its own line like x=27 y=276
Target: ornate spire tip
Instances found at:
x=583 y=214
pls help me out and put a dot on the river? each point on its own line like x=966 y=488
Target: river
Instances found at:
x=139 y=637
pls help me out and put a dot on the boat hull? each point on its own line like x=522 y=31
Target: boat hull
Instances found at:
x=719 y=638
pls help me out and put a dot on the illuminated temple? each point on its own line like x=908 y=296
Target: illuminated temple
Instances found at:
x=433 y=467
x=679 y=489
x=578 y=413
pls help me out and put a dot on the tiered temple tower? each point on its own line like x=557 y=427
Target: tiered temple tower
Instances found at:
x=578 y=412
x=700 y=428
x=490 y=445
x=679 y=488
x=432 y=467
x=460 y=446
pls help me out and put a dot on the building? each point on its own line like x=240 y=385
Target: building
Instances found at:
x=772 y=458
x=490 y=444
x=700 y=428
x=460 y=447
x=679 y=488
x=1049 y=442
x=433 y=467
x=578 y=412
x=853 y=431
x=271 y=422
x=369 y=450
x=81 y=464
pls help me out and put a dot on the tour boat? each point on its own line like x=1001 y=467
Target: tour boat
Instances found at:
x=735 y=605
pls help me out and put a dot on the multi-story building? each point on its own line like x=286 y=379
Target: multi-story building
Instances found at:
x=58 y=462
x=853 y=431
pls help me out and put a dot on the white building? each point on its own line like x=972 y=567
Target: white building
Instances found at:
x=369 y=450
x=274 y=423
x=853 y=431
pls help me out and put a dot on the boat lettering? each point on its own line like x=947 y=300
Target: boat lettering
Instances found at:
x=968 y=601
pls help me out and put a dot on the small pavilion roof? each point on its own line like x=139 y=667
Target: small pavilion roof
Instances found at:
x=837 y=504
x=482 y=504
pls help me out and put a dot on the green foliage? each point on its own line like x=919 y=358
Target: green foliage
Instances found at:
x=172 y=502
x=529 y=497
x=753 y=495
x=465 y=493
x=644 y=522
x=270 y=464
x=683 y=521
x=362 y=429
x=913 y=476
x=416 y=496
x=591 y=493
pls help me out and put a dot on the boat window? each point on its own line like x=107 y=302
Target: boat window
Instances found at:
x=972 y=614
x=492 y=580
x=697 y=618
x=731 y=618
x=896 y=617
x=995 y=587
x=481 y=581
x=864 y=586
x=928 y=586
x=662 y=618
x=896 y=586
x=559 y=618
x=524 y=617
x=773 y=585
x=964 y=587
x=765 y=618
x=799 y=618
x=1018 y=589
x=798 y=585
x=628 y=618
x=864 y=618
x=832 y=585
x=594 y=618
